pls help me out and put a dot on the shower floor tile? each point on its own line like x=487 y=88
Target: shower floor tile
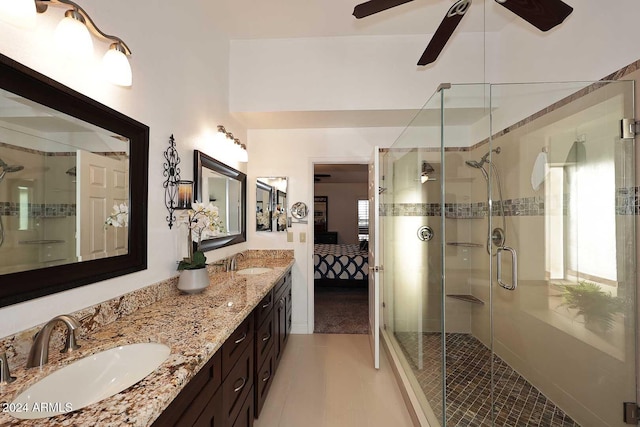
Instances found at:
x=517 y=403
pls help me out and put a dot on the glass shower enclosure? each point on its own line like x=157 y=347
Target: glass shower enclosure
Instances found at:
x=507 y=219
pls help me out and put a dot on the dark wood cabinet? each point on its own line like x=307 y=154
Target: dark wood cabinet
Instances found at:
x=282 y=316
x=245 y=418
x=230 y=390
x=195 y=398
x=237 y=386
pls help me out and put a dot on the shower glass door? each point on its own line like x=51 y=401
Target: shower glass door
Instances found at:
x=508 y=218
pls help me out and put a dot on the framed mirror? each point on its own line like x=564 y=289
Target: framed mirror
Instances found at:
x=271 y=204
x=65 y=161
x=225 y=188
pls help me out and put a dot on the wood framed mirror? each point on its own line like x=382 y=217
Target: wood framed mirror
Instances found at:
x=226 y=188
x=54 y=140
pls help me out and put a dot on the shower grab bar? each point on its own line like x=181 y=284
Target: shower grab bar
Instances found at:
x=514 y=268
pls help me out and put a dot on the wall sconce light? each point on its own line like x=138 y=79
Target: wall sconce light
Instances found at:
x=426 y=170
x=172 y=192
x=185 y=194
x=233 y=144
x=73 y=34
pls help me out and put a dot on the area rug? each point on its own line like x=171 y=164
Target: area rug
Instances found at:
x=341 y=311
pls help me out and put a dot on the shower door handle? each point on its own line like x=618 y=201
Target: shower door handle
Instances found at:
x=514 y=268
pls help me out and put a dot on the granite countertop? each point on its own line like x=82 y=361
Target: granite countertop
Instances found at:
x=194 y=326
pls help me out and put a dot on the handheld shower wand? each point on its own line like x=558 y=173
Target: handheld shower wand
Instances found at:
x=4 y=170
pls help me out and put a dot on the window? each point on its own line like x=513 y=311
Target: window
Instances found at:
x=363 y=219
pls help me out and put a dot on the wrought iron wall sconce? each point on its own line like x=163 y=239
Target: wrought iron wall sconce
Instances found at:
x=177 y=193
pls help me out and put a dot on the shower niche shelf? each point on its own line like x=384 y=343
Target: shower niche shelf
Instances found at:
x=465 y=244
x=467 y=298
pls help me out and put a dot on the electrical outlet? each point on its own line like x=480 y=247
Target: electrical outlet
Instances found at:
x=289 y=236
x=303 y=237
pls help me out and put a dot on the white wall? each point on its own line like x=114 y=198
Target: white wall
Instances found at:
x=297 y=150
x=345 y=73
x=343 y=208
x=178 y=88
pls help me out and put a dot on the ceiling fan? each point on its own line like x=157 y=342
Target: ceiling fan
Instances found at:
x=542 y=14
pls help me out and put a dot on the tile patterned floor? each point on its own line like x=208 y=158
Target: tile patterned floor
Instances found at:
x=517 y=403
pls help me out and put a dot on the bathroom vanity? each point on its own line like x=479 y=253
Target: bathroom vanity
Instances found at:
x=225 y=347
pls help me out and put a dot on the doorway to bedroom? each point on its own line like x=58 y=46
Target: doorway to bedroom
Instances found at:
x=341 y=228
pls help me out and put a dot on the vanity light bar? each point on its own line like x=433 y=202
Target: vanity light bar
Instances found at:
x=116 y=65
x=236 y=146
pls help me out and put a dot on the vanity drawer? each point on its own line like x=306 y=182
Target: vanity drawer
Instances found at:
x=212 y=416
x=236 y=344
x=245 y=418
x=265 y=336
x=263 y=309
x=237 y=386
x=263 y=380
x=280 y=286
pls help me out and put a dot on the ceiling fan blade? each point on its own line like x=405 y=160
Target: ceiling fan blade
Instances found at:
x=374 y=6
x=444 y=31
x=542 y=14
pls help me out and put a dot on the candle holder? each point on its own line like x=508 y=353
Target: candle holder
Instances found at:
x=172 y=173
x=185 y=191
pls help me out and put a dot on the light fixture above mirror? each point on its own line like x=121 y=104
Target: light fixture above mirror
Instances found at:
x=232 y=144
x=73 y=34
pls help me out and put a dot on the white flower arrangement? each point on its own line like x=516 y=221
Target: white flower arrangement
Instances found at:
x=119 y=217
x=203 y=222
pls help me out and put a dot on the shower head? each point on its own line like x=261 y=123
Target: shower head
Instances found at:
x=484 y=159
x=473 y=164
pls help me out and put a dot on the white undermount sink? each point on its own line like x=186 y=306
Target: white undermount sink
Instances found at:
x=89 y=380
x=254 y=270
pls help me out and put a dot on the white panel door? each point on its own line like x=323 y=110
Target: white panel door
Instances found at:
x=102 y=183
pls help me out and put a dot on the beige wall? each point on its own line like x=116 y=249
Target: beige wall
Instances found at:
x=343 y=208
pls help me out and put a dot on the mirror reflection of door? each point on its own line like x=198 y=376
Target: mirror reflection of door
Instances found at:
x=102 y=183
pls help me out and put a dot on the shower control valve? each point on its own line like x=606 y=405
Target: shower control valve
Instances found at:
x=425 y=233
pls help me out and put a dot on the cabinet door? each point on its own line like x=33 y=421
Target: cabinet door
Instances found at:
x=281 y=326
x=235 y=388
x=265 y=336
x=263 y=379
x=245 y=418
x=213 y=415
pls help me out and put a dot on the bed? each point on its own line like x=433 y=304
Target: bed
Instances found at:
x=340 y=262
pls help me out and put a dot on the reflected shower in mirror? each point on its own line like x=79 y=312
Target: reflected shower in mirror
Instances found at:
x=73 y=188
x=271 y=204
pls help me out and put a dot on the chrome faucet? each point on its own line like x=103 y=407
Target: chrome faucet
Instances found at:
x=39 y=354
x=232 y=262
x=5 y=374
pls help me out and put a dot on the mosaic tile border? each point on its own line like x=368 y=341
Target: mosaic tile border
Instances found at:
x=37 y=210
x=627 y=203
